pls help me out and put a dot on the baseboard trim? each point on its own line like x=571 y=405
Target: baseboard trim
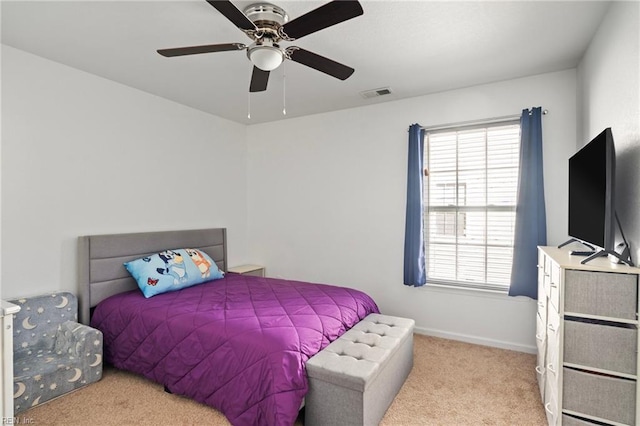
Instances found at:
x=476 y=340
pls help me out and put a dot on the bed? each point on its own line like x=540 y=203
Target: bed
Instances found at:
x=238 y=344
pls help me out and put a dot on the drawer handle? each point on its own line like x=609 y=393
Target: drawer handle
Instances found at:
x=546 y=275
x=540 y=304
x=547 y=408
x=550 y=327
x=539 y=370
x=553 y=285
x=539 y=266
x=541 y=338
x=550 y=368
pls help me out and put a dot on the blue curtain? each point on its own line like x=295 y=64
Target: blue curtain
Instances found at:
x=414 y=244
x=531 y=222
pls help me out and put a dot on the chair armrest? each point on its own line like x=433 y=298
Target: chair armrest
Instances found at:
x=78 y=341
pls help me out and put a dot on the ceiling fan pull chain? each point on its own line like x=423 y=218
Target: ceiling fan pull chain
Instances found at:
x=249 y=105
x=284 y=90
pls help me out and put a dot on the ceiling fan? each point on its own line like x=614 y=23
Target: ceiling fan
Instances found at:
x=267 y=25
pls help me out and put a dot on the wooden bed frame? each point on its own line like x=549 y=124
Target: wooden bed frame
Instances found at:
x=100 y=259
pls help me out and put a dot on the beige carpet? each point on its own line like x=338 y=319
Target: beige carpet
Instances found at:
x=452 y=383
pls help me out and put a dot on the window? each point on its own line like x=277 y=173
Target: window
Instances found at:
x=445 y=221
x=470 y=189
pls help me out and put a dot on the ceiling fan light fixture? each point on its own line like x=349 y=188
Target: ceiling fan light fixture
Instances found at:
x=265 y=57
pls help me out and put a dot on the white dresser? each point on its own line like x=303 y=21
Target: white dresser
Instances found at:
x=587 y=338
x=6 y=368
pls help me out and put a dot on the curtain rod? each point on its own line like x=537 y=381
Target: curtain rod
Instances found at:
x=470 y=123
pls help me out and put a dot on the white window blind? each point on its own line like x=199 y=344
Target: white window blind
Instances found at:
x=470 y=191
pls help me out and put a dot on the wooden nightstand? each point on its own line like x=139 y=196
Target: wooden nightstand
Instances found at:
x=253 y=270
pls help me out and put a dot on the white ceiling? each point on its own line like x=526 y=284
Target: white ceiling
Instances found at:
x=413 y=47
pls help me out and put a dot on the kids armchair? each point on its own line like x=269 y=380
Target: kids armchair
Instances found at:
x=53 y=353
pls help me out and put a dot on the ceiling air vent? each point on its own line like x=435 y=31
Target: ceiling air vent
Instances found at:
x=376 y=92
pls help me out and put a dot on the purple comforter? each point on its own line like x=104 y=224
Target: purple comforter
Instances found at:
x=238 y=344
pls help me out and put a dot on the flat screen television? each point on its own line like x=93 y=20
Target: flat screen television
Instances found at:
x=592 y=216
x=592 y=173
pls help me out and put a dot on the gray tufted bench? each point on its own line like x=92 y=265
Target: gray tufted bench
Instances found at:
x=354 y=379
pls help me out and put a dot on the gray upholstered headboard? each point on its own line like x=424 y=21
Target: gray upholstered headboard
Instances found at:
x=100 y=259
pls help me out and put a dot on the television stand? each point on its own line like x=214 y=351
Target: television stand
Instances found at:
x=595 y=255
x=624 y=257
x=574 y=240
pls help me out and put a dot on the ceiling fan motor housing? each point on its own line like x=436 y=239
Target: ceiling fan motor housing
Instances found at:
x=266 y=16
x=265 y=53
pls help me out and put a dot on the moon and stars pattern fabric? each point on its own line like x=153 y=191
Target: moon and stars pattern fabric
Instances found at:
x=52 y=353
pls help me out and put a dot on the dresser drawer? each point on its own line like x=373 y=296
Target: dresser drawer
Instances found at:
x=542 y=300
x=554 y=286
x=600 y=345
x=601 y=293
x=552 y=358
x=551 y=404
x=541 y=333
x=600 y=396
x=541 y=377
x=541 y=262
x=541 y=366
x=546 y=278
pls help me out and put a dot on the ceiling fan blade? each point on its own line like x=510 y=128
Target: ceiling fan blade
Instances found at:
x=320 y=63
x=194 y=50
x=233 y=14
x=325 y=16
x=259 y=80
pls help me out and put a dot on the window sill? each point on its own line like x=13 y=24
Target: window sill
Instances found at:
x=492 y=288
x=470 y=291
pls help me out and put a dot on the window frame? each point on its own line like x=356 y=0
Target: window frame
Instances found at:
x=458 y=209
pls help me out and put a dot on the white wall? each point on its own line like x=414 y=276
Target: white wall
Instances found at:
x=84 y=155
x=609 y=96
x=325 y=194
x=327 y=200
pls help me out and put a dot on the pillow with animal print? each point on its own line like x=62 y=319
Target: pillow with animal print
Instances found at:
x=172 y=270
